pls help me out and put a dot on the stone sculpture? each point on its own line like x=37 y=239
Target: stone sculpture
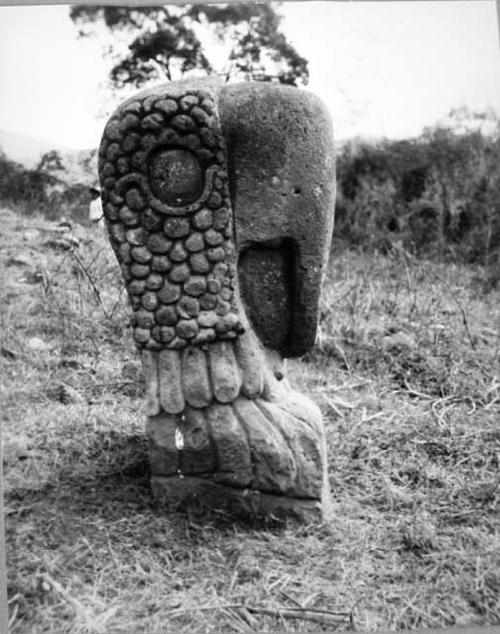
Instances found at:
x=218 y=200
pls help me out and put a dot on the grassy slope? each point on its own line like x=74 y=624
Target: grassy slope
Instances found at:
x=407 y=374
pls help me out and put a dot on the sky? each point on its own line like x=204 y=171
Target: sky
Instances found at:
x=382 y=68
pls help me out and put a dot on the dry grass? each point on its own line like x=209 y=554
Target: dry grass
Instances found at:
x=407 y=374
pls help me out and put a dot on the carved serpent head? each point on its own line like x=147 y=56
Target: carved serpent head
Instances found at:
x=210 y=188
x=218 y=201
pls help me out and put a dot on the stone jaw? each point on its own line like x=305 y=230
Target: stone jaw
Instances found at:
x=223 y=422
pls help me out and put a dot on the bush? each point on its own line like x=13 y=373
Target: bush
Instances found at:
x=435 y=196
x=38 y=191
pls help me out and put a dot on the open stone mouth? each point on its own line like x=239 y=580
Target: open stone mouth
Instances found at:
x=213 y=305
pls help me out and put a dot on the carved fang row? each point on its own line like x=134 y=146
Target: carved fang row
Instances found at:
x=198 y=376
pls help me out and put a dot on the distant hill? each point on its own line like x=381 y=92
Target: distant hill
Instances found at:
x=25 y=149
x=80 y=166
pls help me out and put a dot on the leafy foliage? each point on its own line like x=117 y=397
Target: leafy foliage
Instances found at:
x=50 y=162
x=170 y=42
x=438 y=194
x=39 y=191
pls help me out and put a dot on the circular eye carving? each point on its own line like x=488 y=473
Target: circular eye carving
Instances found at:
x=175 y=177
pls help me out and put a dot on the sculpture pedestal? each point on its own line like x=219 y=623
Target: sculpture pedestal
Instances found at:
x=181 y=491
x=252 y=456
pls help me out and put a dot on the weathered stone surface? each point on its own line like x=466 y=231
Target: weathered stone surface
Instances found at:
x=161 y=264
x=188 y=307
x=280 y=154
x=169 y=372
x=180 y=492
x=175 y=176
x=187 y=328
x=128 y=217
x=154 y=282
x=139 y=270
x=157 y=243
x=250 y=361
x=149 y=301
x=151 y=220
x=169 y=293
x=195 y=285
x=141 y=254
x=224 y=372
x=137 y=287
x=122 y=165
x=233 y=452
x=178 y=253
x=166 y=334
x=135 y=200
x=167 y=316
x=124 y=253
x=207 y=319
x=218 y=199
x=141 y=335
x=207 y=301
x=267 y=286
x=177 y=227
x=195 y=242
x=274 y=466
x=197 y=454
x=150 y=367
x=135 y=237
x=195 y=379
x=179 y=273
x=306 y=446
x=216 y=254
x=252 y=452
x=199 y=263
x=203 y=219
x=163 y=454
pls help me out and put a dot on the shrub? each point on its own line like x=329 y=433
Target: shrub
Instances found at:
x=38 y=191
x=437 y=195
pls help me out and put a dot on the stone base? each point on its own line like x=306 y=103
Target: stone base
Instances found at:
x=182 y=491
x=250 y=457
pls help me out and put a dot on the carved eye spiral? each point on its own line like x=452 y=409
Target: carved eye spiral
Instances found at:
x=175 y=177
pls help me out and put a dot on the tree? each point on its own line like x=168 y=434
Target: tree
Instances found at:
x=50 y=162
x=171 y=42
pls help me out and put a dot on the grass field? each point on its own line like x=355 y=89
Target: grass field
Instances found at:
x=407 y=374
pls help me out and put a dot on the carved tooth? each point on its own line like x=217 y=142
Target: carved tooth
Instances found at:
x=169 y=369
x=224 y=370
x=251 y=362
x=232 y=448
x=195 y=377
x=150 y=367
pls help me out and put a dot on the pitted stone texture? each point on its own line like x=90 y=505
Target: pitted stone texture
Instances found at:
x=282 y=181
x=231 y=414
x=245 y=450
x=163 y=151
x=182 y=492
